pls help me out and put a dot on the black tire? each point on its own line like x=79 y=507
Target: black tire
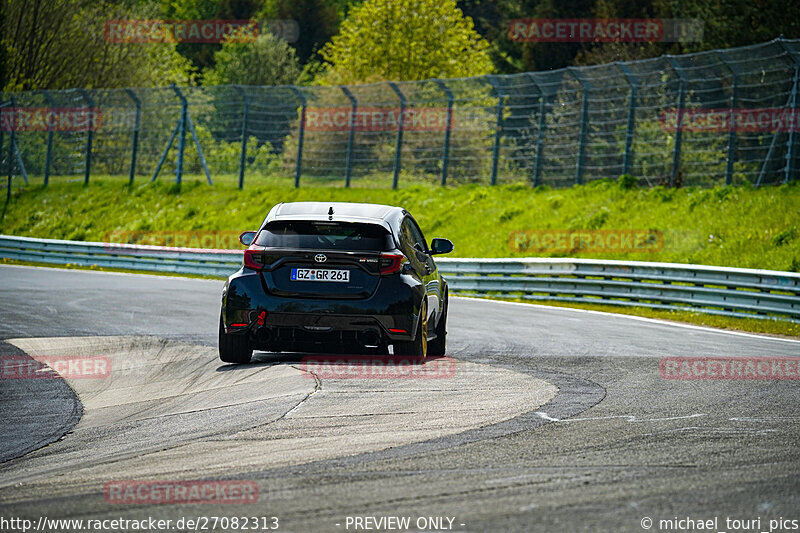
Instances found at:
x=419 y=346
x=438 y=346
x=234 y=348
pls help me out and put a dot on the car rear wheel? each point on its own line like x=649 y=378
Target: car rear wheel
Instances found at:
x=234 y=348
x=419 y=346
x=438 y=346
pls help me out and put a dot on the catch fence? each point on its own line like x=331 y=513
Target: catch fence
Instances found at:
x=711 y=118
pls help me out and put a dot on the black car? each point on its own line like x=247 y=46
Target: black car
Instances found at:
x=335 y=278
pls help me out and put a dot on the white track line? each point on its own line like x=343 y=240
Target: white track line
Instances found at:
x=633 y=317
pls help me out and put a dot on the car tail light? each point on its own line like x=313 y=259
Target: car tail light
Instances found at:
x=391 y=263
x=397 y=330
x=252 y=259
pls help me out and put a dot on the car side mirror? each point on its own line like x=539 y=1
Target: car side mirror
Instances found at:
x=247 y=237
x=441 y=246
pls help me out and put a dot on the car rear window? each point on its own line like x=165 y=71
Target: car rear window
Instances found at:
x=326 y=236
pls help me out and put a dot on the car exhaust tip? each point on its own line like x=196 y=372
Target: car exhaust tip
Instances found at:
x=370 y=339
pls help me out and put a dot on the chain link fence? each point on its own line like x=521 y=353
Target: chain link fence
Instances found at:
x=711 y=118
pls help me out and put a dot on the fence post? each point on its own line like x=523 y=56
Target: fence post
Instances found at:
x=48 y=157
x=348 y=162
x=10 y=167
x=89 y=138
x=778 y=131
x=166 y=150
x=791 y=147
x=398 y=144
x=537 y=166
x=243 y=156
x=633 y=83
x=585 y=87
x=13 y=150
x=199 y=149
x=790 y=143
x=301 y=133
x=448 y=127
x=731 y=156
x=181 y=134
x=498 y=128
x=136 y=125
x=9 y=162
x=8 y=190
x=676 y=152
x=541 y=102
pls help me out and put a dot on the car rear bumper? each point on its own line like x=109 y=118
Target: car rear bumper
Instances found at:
x=314 y=324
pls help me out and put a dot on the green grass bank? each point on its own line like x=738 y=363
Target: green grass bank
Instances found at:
x=729 y=226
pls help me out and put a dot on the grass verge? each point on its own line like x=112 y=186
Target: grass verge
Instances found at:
x=726 y=226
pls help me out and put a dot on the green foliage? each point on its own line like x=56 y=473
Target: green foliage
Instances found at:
x=317 y=21
x=626 y=181
x=225 y=157
x=265 y=61
x=62 y=45
x=726 y=23
x=405 y=40
x=201 y=55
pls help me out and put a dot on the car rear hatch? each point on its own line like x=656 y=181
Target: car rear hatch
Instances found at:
x=311 y=259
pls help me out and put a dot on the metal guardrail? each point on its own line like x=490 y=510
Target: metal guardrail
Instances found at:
x=708 y=289
x=123 y=256
x=716 y=290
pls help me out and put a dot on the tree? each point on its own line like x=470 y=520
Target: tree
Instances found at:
x=266 y=61
x=317 y=21
x=60 y=44
x=201 y=55
x=405 y=40
x=726 y=23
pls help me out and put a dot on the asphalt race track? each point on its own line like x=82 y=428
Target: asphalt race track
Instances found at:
x=548 y=420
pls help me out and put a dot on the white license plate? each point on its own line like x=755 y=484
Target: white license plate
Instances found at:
x=320 y=274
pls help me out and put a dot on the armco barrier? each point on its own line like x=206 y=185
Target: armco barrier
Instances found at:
x=125 y=256
x=708 y=289
x=717 y=290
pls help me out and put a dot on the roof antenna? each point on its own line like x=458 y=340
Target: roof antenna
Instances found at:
x=330 y=213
